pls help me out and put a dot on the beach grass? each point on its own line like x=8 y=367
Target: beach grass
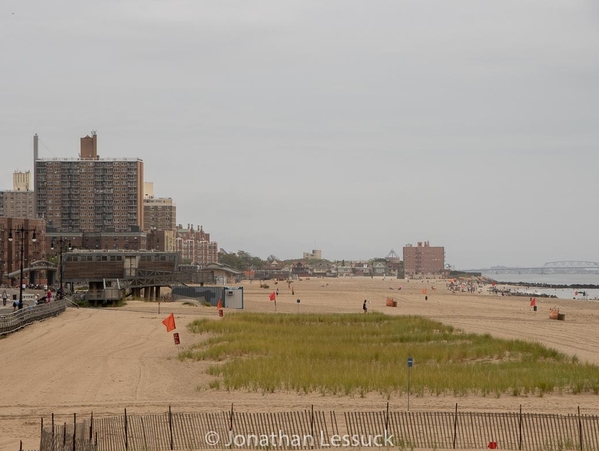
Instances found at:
x=351 y=354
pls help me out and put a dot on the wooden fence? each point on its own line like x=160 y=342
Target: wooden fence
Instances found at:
x=307 y=429
x=13 y=321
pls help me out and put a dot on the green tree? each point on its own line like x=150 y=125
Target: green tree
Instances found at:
x=241 y=261
x=231 y=260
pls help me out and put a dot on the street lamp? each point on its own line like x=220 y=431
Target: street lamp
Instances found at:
x=22 y=232
x=61 y=242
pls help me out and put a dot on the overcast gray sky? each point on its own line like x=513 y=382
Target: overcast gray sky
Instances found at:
x=348 y=126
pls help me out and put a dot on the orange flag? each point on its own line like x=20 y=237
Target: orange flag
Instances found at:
x=273 y=296
x=533 y=302
x=169 y=322
x=219 y=305
x=424 y=291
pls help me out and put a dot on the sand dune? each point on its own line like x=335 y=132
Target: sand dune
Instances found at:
x=105 y=360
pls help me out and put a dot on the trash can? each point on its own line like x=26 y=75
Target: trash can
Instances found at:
x=534 y=308
x=221 y=312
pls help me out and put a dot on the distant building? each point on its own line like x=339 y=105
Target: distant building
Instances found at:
x=10 y=251
x=194 y=246
x=107 y=272
x=160 y=214
x=18 y=203
x=21 y=181
x=300 y=270
x=360 y=268
x=96 y=241
x=89 y=194
x=394 y=264
x=148 y=190
x=316 y=254
x=423 y=259
x=161 y=240
x=221 y=274
x=345 y=270
x=160 y=221
x=379 y=268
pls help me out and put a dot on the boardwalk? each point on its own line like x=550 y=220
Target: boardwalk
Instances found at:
x=11 y=321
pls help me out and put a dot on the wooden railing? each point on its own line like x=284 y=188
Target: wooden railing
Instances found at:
x=13 y=321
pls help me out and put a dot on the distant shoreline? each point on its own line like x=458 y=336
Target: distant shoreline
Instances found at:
x=549 y=285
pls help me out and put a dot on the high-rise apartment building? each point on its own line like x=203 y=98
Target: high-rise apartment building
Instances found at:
x=89 y=194
x=18 y=203
x=159 y=213
x=423 y=259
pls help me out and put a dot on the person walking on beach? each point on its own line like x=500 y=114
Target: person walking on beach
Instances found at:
x=365 y=307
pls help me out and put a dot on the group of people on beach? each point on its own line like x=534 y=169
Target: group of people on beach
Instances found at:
x=17 y=304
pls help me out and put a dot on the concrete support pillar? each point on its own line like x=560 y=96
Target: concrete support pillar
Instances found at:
x=147 y=293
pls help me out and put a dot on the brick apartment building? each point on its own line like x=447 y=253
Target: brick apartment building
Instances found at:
x=423 y=259
x=96 y=241
x=89 y=194
x=160 y=213
x=10 y=251
x=18 y=203
x=194 y=246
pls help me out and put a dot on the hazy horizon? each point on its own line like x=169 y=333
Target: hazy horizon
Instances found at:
x=348 y=126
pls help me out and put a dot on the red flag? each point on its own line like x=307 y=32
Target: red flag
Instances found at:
x=273 y=296
x=219 y=305
x=169 y=322
x=424 y=291
x=533 y=302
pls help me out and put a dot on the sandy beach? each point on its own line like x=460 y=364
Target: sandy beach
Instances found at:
x=105 y=360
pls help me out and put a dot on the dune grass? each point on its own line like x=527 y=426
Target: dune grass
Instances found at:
x=356 y=354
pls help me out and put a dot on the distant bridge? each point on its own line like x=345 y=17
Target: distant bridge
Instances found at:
x=572 y=264
x=569 y=266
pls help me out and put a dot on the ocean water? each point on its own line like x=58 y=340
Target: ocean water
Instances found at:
x=551 y=279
